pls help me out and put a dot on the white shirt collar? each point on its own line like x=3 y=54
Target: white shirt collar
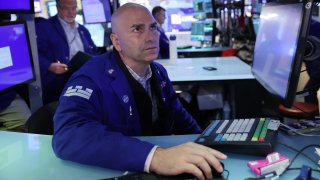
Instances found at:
x=65 y=24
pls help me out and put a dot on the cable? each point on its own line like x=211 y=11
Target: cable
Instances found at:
x=296 y=150
x=227 y=172
x=301 y=151
x=298 y=153
x=296 y=168
x=299 y=133
x=306 y=92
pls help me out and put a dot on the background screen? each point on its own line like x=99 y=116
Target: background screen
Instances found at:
x=37 y=6
x=96 y=11
x=15 y=57
x=16 y=5
x=179 y=19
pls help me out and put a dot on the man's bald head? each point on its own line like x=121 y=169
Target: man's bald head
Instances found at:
x=135 y=36
x=124 y=12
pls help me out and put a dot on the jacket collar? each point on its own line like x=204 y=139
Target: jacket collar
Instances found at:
x=58 y=27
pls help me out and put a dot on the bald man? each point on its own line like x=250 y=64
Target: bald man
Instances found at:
x=122 y=94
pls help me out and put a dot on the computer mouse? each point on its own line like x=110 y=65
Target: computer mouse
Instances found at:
x=215 y=175
x=209 y=68
x=152 y=176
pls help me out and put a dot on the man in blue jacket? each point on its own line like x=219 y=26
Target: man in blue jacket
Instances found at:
x=122 y=94
x=159 y=14
x=59 y=39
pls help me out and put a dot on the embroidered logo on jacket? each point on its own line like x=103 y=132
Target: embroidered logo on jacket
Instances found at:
x=78 y=91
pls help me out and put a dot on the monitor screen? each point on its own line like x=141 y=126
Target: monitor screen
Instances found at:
x=202 y=30
x=52 y=8
x=97 y=33
x=179 y=13
x=96 y=11
x=17 y=6
x=16 y=65
x=203 y=9
x=279 y=48
x=179 y=19
x=37 y=6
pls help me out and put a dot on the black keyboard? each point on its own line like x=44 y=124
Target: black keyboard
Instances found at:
x=255 y=136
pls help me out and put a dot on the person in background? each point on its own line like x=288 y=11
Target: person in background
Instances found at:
x=14 y=111
x=313 y=64
x=159 y=14
x=128 y=95
x=59 y=39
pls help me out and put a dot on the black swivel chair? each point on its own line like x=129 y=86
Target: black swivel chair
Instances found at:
x=41 y=121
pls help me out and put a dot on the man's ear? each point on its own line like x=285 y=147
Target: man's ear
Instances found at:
x=115 y=41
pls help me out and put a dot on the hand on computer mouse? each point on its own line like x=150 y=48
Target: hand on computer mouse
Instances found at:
x=190 y=158
x=215 y=174
x=184 y=176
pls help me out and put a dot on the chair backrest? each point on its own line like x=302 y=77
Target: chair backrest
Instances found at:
x=300 y=110
x=41 y=121
x=229 y=52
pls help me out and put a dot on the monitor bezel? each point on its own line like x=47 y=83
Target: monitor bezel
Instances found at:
x=298 y=58
x=84 y=17
x=18 y=11
x=29 y=51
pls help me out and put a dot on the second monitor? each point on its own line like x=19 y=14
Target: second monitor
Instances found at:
x=203 y=31
x=279 y=47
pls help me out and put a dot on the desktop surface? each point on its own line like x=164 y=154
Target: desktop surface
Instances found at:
x=202 y=49
x=30 y=157
x=192 y=69
x=192 y=51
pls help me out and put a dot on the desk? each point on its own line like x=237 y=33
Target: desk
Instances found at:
x=191 y=69
x=201 y=52
x=30 y=157
x=245 y=93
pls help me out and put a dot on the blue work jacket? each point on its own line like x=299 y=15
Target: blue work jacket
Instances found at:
x=52 y=47
x=163 y=45
x=97 y=117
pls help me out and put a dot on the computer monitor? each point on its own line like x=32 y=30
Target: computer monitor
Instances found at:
x=16 y=6
x=37 y=6
x=96 y=11
x=52 y=8
x=16 y=65
x=203 y=9
x=279 y=47
x=97 y=32
x=202 y=30
x=179 y=19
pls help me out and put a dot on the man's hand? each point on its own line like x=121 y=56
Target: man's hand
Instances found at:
x=188 y=158
x=58 y=68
